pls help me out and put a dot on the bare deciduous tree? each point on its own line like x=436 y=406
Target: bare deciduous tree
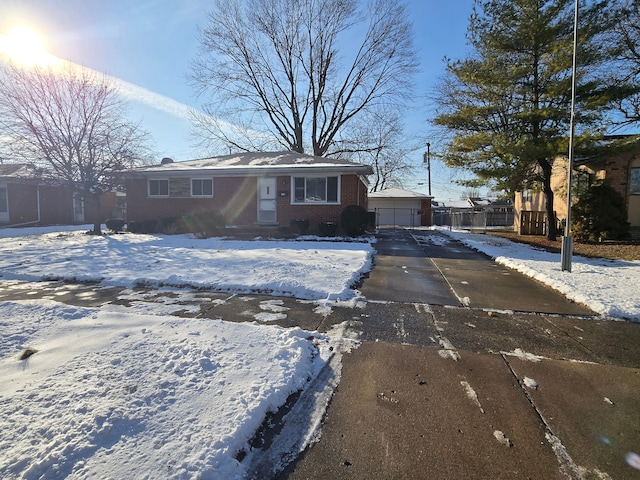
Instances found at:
x=293 y=69
x=625 y=72
x=71 y=122
x=381 y=144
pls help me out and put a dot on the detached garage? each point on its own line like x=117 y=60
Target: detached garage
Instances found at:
x=402 y=208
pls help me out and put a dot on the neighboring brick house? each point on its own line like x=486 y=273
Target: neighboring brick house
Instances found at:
x=249 y=189
x=622 y=172
x=27 y=198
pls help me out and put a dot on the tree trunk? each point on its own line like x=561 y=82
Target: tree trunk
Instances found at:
x=548 y=194
x=95 y=214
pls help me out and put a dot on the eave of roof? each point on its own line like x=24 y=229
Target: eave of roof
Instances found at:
x=260 y=163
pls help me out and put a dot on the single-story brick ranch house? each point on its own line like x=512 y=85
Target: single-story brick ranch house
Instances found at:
x=248 y=189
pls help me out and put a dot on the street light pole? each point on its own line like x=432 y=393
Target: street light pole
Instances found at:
x=567 y=239
x=427 y=159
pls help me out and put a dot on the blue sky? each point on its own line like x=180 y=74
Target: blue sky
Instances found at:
x=149 y=44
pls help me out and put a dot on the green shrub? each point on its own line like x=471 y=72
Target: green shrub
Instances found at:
x=207 y=224
x=328 y=229
x=600 y=214
x=115 y=224
x=354 y=220
x=173 y=225
x=299 y=227
x=143 y=226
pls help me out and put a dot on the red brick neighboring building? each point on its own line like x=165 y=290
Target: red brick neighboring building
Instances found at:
x=28 y=199
x=249 y=189
x=621 y=171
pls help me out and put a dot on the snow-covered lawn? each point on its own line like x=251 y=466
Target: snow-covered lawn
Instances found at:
x=110 y=394
x=306 y=269
x=609 y=287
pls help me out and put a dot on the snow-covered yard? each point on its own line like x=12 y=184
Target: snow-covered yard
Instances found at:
x=308 y=270
x=119 y=393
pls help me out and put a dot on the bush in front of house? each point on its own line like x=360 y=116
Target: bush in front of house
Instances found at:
x=171 y=225
x=600 y=214
x=115 y=224
x=143 y=226
x=298 y=226
x=354 y=220
x=206 y=224
x=328 y=229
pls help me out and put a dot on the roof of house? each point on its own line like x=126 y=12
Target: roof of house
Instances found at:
x=397 y=193
x=15 y=170
x=256 y=163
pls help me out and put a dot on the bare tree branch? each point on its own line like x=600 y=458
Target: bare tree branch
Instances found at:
x=71 y=123
x=276 y=65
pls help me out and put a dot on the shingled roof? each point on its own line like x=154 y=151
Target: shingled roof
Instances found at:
x=257 y=163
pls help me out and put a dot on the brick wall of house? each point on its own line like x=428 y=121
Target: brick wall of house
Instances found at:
x=615 y=170
x=352 y=192
x=23 y=203
x=617 y=173
x=233 y=197
x=55 y=204
x=425 y=208
x=236 y=199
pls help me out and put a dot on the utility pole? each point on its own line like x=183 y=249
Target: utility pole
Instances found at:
x=567 y=239
x=427 y=159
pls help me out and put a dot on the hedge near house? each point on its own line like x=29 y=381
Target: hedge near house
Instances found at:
x=354 y=220
x=600 y=214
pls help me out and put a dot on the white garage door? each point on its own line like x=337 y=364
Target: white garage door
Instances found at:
x=404 y=217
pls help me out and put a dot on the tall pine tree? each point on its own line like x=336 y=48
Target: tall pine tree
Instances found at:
x=507 y=105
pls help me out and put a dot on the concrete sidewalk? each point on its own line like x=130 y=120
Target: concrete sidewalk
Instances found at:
x=442 y=390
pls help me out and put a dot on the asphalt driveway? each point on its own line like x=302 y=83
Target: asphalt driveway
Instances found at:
x=430 y=267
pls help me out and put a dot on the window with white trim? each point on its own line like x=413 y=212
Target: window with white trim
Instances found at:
x=158 y=188
x=202 y=187
x=315 y=189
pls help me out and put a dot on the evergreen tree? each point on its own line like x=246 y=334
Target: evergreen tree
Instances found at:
x=507 y=105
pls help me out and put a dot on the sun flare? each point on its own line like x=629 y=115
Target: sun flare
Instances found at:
x=25 y=47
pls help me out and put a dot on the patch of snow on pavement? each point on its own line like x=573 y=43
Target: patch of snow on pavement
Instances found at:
x=525 y=356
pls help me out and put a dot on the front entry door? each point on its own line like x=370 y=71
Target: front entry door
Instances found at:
x=267 y=200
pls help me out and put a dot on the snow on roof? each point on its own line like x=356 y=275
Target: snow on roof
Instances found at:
x=247 y=162
x=397 y=193
x=15 y=170
x=453 y=204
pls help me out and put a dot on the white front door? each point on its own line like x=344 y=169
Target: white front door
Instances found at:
x=267 y=200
